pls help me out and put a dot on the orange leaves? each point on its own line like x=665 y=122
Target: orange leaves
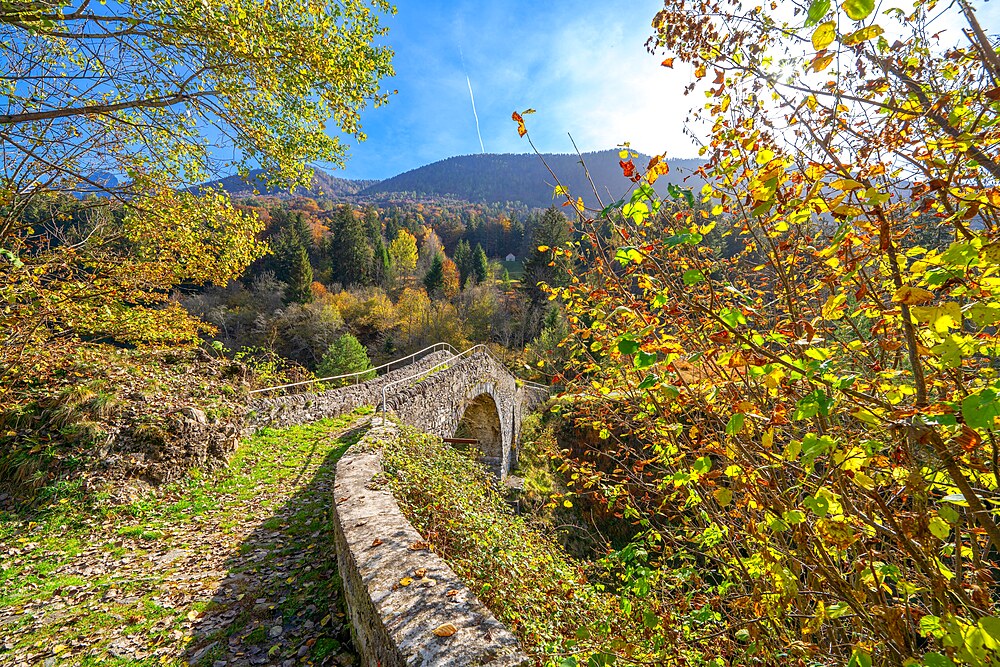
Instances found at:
x=628 y=169
x=669 y=62
x=657 y=167
x=445 y=630
x=821 y=61
x=519 y=119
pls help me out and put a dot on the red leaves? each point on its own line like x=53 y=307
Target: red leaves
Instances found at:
x=519 y=119
x=628 y=168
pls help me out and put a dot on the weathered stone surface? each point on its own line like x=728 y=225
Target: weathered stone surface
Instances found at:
x=377 y=549
x=476 y=392
x=283 y=411
x=438 y=402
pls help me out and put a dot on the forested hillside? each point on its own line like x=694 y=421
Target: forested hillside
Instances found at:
x=523 y=178
x=322 y=185
x=770 y=434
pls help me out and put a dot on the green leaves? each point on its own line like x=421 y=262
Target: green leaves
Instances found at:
x=818 y=504
x=981 y=409
x=735 y=425
x=693 y=277
x=859 y=659
x=858 y=10
x=817 y=10
x=939 y=528
x=628 y=347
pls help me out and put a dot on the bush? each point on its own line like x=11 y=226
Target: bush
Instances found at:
x=345 y=355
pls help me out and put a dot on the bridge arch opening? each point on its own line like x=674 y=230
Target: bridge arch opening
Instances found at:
x=481 y=422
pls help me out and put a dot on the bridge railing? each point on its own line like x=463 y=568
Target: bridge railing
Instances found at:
x=448 y=362
x=356 y=376
x=428 y=371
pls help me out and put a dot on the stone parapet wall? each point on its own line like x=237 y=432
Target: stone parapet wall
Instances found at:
x=395 y=625
x=283 y=411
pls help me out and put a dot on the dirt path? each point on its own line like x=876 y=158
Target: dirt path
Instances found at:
x=234 y=568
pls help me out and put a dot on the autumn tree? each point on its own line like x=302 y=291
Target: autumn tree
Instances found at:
x=403 y=253
x=812 y=420
x=115 y=105
x=450 y=284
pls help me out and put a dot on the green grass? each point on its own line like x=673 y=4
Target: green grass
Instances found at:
x=520 y=572
x=285 y=477
x=515 y=269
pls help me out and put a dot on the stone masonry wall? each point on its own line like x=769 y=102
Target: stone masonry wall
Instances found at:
x=282 y=411
x=377 y=547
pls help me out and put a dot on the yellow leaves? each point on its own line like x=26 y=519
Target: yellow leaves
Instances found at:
x=823 y=35
x=846 y=184
x=657 y=167
x=858 y=10
x=833 y=309
x=863 y=35
x=912 y=296
x=814 y=172
x=723 y=496
x=406 y=581
x=990 y=253
x=764 y=156
x=909 y=109
x=941 y=318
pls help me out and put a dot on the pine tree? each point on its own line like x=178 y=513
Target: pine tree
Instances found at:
x=352 y=253
x=300 y=278
x=463 y=260
x=552 y=232
x=379 y=270
x=480 y=265
x=434 y=279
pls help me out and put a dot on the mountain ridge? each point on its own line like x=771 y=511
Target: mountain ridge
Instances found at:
x=485 y=178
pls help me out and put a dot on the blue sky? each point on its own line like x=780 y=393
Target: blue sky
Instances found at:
x=581 y=64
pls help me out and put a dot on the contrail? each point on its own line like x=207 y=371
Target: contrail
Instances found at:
x=474 y=114
x=473 y=98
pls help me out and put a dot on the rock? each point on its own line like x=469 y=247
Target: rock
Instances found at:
x=276 y=631
x=195 y=414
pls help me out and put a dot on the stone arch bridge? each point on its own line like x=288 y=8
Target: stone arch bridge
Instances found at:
x=469 y=397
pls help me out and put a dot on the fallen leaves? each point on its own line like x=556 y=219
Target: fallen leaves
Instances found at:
x=445 y=630
x=245 y=554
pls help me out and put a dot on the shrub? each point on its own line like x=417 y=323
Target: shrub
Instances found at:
x=345 y=355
